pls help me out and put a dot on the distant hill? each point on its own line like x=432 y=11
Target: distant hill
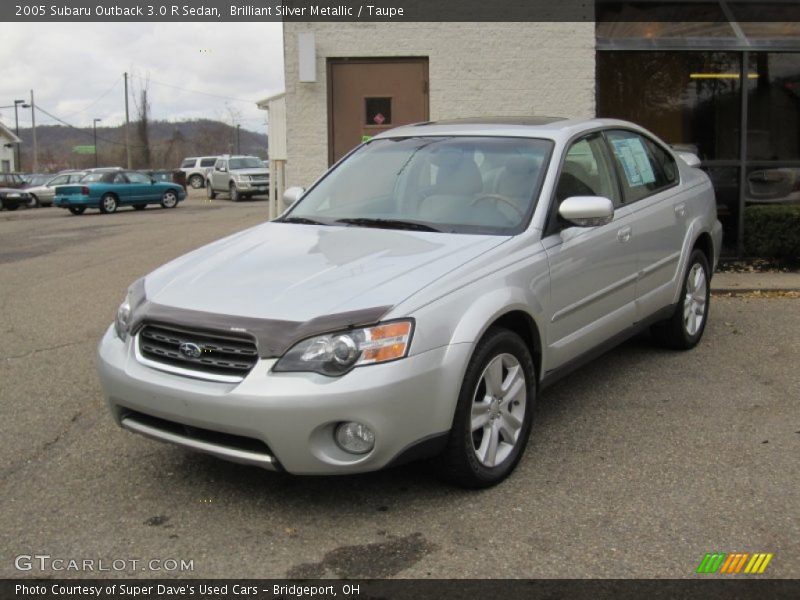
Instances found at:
x=169 y=143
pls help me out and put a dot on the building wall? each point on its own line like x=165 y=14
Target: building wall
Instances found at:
x=475 y=69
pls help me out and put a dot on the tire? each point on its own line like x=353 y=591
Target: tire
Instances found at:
x=683 y=330
x=11 y=206
x=197 y=181
x=234 y=193
x=210 y=193
x=169 y=199
x=108 y=204
x=77 y=210
x=139 y=206
x=33 y=202
x=484 y=446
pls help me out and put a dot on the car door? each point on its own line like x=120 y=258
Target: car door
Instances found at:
x=218 y=174
x=650 y=187
x=141 y=188
x=49 y=191
x=592 y=269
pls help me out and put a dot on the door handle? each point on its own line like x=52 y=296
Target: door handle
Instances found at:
x=680 y=209
x=624 y=235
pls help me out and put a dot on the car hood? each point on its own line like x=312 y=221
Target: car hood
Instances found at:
x=299 y=272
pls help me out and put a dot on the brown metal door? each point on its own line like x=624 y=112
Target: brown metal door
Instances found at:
x=368 y=96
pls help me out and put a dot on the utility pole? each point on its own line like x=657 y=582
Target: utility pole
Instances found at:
x=33 y=126
x=238 y=146
x=94 y=126
x=127 y=123
x=18 y=161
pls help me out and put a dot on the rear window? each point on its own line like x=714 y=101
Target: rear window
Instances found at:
x=208 y=162
x=188 y=162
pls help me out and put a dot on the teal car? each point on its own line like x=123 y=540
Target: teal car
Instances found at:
x=109 y=190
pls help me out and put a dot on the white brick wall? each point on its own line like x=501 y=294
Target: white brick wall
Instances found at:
x=475 y=69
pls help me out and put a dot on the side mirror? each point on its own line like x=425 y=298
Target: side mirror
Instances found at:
x=222 y=169
x=152 y=180
x=689 y=158
x=292 y=195
x=587 y=211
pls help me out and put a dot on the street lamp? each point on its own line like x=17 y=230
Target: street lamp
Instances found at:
x=94 y=126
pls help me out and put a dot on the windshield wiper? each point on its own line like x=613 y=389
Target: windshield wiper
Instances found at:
x=387 y=224
x=300 y=220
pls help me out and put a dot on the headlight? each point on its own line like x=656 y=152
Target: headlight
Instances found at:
x=123 y=321
x=336 y=353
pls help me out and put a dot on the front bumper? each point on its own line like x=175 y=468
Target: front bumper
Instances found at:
x=252 y=187
x=404 y=402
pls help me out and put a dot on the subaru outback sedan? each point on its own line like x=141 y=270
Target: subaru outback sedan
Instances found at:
x=415 y=301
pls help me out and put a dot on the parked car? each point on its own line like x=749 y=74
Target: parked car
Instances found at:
x=13 y=198
x=195 y=168
x=238 y=176
x=11 y=184
x=417 y=299
x=110 y=189
x=171 y=175
x=42 y=193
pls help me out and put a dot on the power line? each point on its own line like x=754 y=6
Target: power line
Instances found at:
x=103 y=95
x=175 y=87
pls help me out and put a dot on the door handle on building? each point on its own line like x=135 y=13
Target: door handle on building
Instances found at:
x=624 y=235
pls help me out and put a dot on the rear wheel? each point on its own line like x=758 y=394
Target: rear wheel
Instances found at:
x=108 y=204
x=494 y=412
x=11 y=206
x=77 y=210
x=234 y=193
x=169 y=199
x=685 y=327
x=196 y=181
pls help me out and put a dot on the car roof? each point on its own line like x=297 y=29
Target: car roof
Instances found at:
x=555 y=128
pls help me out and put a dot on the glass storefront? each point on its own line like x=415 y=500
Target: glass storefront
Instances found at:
x=698 y=86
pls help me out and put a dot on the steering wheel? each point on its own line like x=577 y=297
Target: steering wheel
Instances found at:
x=499 y=198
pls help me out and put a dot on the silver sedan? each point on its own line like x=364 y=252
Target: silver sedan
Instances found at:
x=417 y=299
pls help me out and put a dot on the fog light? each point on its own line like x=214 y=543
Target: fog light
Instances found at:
x=355 y=438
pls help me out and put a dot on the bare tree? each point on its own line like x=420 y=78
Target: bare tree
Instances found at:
x=142 y=106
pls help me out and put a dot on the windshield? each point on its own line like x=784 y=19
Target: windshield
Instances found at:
x=248 y=162
x=454 y=184
x=38 y=180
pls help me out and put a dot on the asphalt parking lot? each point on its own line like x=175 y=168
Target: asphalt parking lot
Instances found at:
x=638 y=465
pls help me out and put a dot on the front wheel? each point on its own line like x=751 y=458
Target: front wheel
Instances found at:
x=33 y=202
x=494 y=412
x=234 y=193
x=210 y=193
x=685 y=327
x=108 y=204
x=169 y=199
x=77 y=210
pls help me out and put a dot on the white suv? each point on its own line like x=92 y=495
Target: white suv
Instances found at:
x=238 y=176
x=196 y=168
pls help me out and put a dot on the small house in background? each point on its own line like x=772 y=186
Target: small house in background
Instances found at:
x=8 y=148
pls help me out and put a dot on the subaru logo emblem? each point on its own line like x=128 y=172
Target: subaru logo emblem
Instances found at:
x=190 y=350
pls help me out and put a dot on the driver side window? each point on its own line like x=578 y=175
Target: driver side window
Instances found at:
x=587 y=171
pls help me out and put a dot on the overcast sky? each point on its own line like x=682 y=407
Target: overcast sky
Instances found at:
x=75 y=70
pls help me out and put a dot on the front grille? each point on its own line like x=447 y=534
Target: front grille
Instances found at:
x=219 y=354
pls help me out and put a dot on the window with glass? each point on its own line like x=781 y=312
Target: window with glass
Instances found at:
x=455 y=184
